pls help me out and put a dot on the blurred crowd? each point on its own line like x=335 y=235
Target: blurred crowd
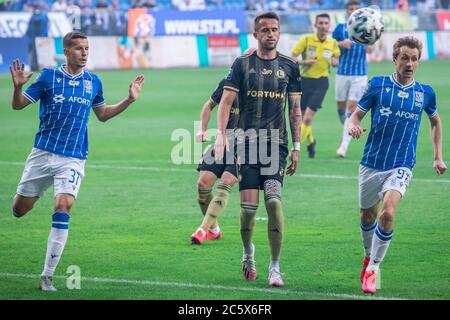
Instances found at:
x=92 y=6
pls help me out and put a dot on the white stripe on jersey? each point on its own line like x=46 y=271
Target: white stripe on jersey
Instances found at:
x=73 y=122
x=81 y=126
x=373 y=136
x=60 y=129
x=50 y=116
x=384 y=128
x=404 y=131
x=54 y=123
x=78 y=135
x=393 y=134
x=46 y=112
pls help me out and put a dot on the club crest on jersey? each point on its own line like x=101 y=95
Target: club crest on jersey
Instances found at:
x=280 y=74
x=418 y=101
x=87 y=84
x=403 y=94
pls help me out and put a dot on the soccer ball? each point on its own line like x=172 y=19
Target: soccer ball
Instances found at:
x=365 y=26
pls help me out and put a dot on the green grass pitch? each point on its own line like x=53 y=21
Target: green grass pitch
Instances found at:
x=130 y=228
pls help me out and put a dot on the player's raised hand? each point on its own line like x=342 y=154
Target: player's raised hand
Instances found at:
x=295 y=157
x=135 y=88
x=200 y=136
x=19 y=77
x=440 y=167
x=220 y=145
x=356 y=131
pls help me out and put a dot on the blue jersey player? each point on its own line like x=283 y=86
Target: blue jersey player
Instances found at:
x=351 y=76
x=396 y=103
x=67 y=95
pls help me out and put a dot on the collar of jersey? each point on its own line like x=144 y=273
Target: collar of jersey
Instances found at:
x=316 y=38
x=394 y=80
x=61 y=68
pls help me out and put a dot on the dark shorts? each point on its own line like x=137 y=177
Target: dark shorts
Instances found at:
x=253 y=175
x=313 y=92
x=207 y=163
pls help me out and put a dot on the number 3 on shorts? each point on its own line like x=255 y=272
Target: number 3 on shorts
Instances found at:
x=75 y=177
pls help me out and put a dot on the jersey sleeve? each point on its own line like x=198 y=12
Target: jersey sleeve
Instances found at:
x=337 y=33
x=294 y=86
x=431 y=108
x=99 y=100
x=234 y=78
x=36 y=90
x=217 y=94
x=368 y=100
x=299 y=47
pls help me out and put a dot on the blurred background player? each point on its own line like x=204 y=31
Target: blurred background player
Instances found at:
x=213 y=205
x=262 y=80
x=351 y=76
x=67 y=95
x=318 y=52
x=396 y=103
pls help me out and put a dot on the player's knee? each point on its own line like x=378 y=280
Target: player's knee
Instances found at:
x=307 y=121
x=273 y=203
x=19 y=211
x=64 y=204
x=367 y=216
x=387 y=216
x=20 y=208
x=203 y=183
x=229 y=180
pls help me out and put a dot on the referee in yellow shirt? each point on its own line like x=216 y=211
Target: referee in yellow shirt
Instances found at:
x=318 y=52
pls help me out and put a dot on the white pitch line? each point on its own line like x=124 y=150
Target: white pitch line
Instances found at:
x=159 y=169
x=329 y=295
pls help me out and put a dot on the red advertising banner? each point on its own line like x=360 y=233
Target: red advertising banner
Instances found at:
x=223 y=41
x=443 y=19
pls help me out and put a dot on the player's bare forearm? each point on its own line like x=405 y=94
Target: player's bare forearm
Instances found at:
x=205 y=115
x=436 y=136
x=223 y=114
x=105 y=112
x=354 y=128
x=295 y=116
x=18 y=100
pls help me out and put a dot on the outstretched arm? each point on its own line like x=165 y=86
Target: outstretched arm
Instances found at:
x=354 y=128
x=436 y=138
x=223 y=114
x=295 y=121
x=204 y=119
x=105 y=112
x=19 y=78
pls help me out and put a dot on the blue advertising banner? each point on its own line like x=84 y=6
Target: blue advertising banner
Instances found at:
x=10 y=49
x=143 y=23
